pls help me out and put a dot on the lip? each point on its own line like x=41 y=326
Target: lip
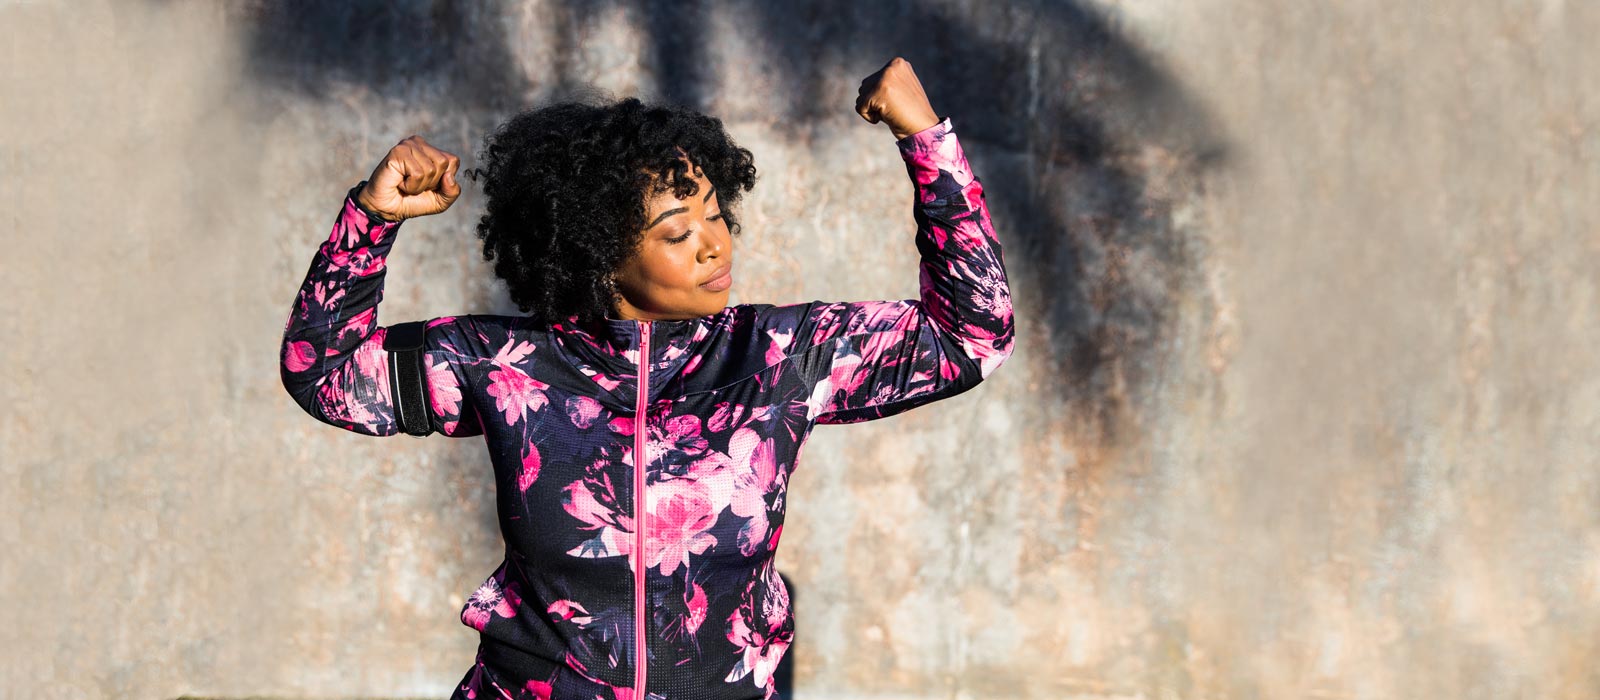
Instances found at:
x=720 y=281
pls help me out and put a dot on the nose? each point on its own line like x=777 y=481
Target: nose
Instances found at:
x=714 y=246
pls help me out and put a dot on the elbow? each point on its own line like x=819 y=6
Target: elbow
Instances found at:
x=342 y=391
x=295 y=359
x=303 y=391
x=991 y=360
x=1002 y=341
x=303 y=385
x=991 y=348
x=288 y=368
x=331 y=405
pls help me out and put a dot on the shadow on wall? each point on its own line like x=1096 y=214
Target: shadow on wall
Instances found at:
x=1086 y=144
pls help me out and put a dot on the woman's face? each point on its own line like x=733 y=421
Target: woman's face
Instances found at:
x=686 y=245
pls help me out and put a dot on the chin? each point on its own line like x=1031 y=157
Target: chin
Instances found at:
x=720 y=299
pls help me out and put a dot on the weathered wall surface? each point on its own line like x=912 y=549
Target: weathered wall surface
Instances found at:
x=1303 y=404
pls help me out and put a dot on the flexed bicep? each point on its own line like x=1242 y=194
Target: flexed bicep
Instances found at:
x=879 y=358
x=332 y=361
x=886 y=358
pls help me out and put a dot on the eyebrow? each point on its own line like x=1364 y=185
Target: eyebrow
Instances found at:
x=709 y=191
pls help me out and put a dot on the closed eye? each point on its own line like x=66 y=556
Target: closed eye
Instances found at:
x=685 y=235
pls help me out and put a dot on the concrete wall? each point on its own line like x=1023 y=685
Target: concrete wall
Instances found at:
x=1304 y=402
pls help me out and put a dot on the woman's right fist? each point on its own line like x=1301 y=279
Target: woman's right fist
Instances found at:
x=414 y=179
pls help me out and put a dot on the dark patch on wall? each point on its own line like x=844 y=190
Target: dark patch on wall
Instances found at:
x=388 y=47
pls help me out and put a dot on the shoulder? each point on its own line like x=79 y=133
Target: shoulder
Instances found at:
x=767 y=326
x=798 y=326
x=817 y=321
x=765 y=318
x=473 y=334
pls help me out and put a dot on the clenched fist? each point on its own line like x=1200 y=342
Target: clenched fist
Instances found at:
x=414 y=179
x=894 y=96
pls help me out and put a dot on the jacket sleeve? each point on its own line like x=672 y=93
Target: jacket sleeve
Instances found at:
x=332 y=359
x=873 y=359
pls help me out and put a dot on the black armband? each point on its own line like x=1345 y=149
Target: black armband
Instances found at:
x=408 y=379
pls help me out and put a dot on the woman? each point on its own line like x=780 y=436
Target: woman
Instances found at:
x=613 y=225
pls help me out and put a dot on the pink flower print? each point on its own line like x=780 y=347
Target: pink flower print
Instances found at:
x=760 y=413
x=997 y=299
x=359 y=324
x=582 y=411
x=513 y=352
x=757 y=475
x=572 y=662
x=975 y=236
x=606 y=381
x=541 y=690
x=299 y=355
x=530 y=468
x=884 y=344
x=845 y=378
x=371 y=362
x=936 y=150
x=598 y=511
x=685 y=615
x=515 y=393
x=947 y=156
x=673 y=352
x=759 y=628
x=821 y=394
x=359 y=262
x=490 y=600
x=680 y=517
x=568 y=611
x=348 y=231
x=474 y=682
x=725 y=416
x=367 y=363
x=779 y=347
x=445 y=392
x=320 y=289
x=679 y=451
x=621 y=425
x=354 y=223
x=675 y=446
x=697 y=603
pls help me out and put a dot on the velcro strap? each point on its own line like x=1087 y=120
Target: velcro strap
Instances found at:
x=408 y=383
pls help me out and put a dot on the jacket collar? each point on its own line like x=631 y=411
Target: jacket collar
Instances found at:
x=607 y=349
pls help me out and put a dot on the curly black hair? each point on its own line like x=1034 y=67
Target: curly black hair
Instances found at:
x=567 y=183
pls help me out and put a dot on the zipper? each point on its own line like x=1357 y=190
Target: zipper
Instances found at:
x=639 y=652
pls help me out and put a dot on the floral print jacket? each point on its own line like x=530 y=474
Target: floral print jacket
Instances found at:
x=683 y=603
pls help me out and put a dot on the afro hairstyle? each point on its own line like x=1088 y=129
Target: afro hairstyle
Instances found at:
x=567 y=183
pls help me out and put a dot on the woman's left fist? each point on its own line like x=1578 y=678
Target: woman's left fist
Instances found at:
x=894 y=96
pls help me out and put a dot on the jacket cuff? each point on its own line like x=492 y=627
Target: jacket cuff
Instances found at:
x=935 y=161
x=359 y=228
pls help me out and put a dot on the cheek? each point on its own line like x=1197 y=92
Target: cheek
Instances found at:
x=672 y=266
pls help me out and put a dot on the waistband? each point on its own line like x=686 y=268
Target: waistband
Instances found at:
x=516 y=663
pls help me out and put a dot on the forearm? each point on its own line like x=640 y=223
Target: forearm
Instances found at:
x=963 y=282
x=327 y=362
